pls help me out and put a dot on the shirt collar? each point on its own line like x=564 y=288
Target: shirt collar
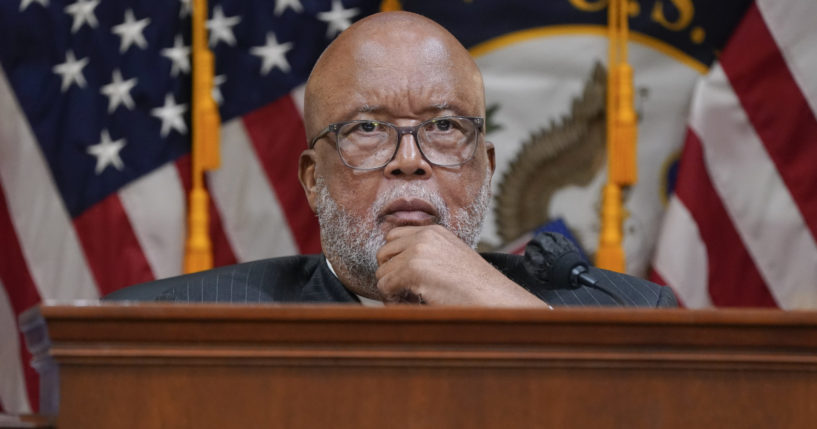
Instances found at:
x=367 y=302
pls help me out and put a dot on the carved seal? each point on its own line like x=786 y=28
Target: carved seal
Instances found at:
x=568 y=152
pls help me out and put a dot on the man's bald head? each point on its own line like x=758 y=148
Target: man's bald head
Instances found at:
x=401 y=50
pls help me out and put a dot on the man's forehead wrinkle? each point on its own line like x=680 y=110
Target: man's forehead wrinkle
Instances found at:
x=422 y=112
x=398 y=60
x=410 y=101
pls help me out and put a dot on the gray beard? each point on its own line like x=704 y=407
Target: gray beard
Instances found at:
x=353 y=242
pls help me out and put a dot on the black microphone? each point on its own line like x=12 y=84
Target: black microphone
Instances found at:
x=556 y=262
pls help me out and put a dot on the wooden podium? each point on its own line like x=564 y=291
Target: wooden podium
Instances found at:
x=221 y=366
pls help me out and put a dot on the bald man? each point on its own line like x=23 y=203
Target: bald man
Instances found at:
x=398 y=172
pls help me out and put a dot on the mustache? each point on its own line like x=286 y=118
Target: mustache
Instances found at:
x=411 y=190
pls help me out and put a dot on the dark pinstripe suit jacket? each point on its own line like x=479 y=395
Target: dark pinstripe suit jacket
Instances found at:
x=308 y=279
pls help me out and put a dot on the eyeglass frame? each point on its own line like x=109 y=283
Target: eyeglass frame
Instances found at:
x=401 y=131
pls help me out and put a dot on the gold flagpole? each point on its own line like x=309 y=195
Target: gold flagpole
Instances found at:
x=621 y=140
x=390 y=5
x=205 y=152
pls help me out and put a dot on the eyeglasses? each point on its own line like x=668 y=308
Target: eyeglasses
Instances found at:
x=447 y=141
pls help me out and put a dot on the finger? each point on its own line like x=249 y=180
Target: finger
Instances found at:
x=390 y=283
x=388 y=290
x=395 y=287
x=392 y=249
x=403 y=231
x=391 y=264
x=407 y=237
x=396 y=242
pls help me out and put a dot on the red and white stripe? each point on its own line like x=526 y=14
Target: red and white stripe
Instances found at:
x=11 y=357
x=741 y=228
x=138 y=234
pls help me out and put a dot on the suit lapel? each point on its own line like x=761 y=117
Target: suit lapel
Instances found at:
x=323 y=286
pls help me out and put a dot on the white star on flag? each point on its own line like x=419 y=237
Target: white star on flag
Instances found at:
x=171 y=116
x=338 y=18
x=71 y=71
x=118 y=91
x=107 y=153
x=131 y=31
x=216 y=92
x=221 y=27
x=179 y=55
x=25 y=3
x=273 y=54
x=83 y=13
x=186 y=8
x=282 y=5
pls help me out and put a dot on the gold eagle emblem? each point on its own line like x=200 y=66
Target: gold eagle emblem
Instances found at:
x=568 y=152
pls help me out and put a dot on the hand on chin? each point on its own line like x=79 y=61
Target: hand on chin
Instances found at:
x=429 y=264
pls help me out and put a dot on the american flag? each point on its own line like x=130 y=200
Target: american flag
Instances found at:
x=95 y=141
x=741 y=228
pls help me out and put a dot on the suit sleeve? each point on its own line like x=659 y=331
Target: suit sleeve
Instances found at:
x=666 y=298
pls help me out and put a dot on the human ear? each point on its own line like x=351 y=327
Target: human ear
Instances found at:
x=306 y=175
x=489 y=149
